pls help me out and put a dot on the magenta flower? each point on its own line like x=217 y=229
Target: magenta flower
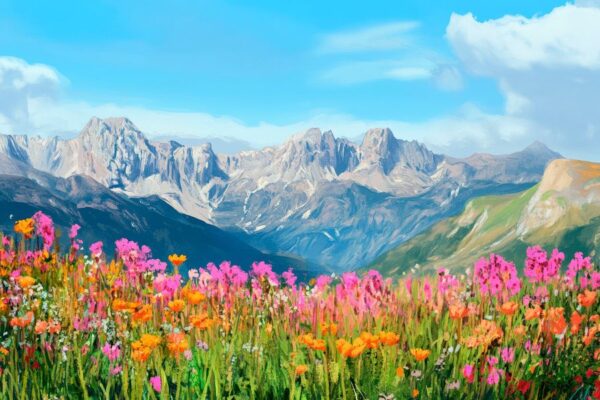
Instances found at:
x=156 y=383
x=469 y=373
x=538 y=268
x=493 y=376
x=45 y=228
x=111 y=352
x=507 y=354
x=290 y=278
x=73 y=231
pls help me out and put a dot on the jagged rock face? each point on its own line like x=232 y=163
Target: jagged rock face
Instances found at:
x=320 y=197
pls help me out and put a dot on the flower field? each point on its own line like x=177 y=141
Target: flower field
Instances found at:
x=100 y=323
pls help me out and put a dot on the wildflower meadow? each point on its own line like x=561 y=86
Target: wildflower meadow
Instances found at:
x=104 y=322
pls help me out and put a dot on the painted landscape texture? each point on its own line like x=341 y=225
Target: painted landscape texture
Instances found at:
x=112 y=322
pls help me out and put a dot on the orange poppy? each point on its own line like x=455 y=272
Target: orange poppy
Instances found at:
x=177 y=260
x=420 y=354
x=389 y=338
x=143 y=314
x=533 y=313
x=194 y=296
x=458 y=311
x=177 y=305
x=400 y=372
x=25 y=282
x=587 y=298
x=509 y=308
x=301 y=369
x=201 y=321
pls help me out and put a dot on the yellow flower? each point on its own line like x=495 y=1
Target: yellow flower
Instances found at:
x=25 y=227
x=177 y=260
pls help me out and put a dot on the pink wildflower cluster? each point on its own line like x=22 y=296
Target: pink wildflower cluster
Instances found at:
x=582 y=267
x=539 y=268
x=496 y=277
x=44 y=227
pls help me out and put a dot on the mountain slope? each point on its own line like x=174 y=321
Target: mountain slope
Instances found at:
x=315 y=196
x=108 y=216
x=562 y=211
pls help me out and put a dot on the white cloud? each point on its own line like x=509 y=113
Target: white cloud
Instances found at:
x=48 y=114
x=547 y=67
x=20 y=84
x=565 y=37
x=390 y=36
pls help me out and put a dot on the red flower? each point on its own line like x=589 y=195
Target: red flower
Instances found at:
x=578 y=380
x=523 y=386
x=589 y=373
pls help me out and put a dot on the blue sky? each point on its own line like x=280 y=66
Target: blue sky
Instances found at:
x=259 y=71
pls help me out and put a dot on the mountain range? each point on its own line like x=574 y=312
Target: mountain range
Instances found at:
x=332 y=202
x=561 y=211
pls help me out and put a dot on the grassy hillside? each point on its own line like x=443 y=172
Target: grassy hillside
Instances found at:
x=562 y=211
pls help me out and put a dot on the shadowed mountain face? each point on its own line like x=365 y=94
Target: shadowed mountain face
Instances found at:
x=562 y=211
x=322 y=198
x=108 y=216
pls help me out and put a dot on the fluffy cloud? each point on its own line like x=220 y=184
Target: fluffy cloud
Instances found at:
x=547 y=67
x=20 y=85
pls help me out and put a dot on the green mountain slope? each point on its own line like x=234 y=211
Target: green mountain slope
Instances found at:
x=563 y=211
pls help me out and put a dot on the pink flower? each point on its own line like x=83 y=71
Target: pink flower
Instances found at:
x=111 y=352
x=73 y=231
x=507 y=354
x=156 y=383
x=45 y=228
x=96 y=249
x=469 y=373
x=116 y=370
x=290 y=278
x=493 y=377
x=323 y=281
x=538 y=268
x=496 y=276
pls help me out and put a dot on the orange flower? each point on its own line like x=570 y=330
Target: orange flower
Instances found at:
x=312 y=343
x=484 y=334
x=415 y=393
x=554 y=321
x=22 y=322
x=591 y=335
x=301 y=369
x=420 y=354
x=533 y=313
x=329 y=328
x=53 y=327
x=194 y=296
x=400 y=372
x=140 y=353
x=150 y=341
x=509 y=308
x=41 y=327
x=587 y=298
x=351 y=350
x=201 y=321
x=177 y=305
x=25 y=227
x=458 y=311
x=177 y=343
x=370 y=340
x=124 y=306
x=177 y=260
x=26 y=281
x=389 y=338
x=519 y=330
x=144 y=314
